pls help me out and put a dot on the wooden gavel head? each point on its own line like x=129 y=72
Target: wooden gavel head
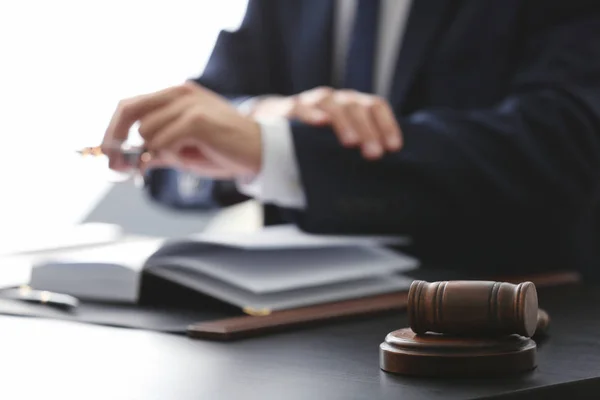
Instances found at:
x=473 y=308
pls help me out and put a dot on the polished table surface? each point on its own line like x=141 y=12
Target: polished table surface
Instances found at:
x=64 y=360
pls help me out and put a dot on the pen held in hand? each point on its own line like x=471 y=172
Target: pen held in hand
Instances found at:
x=127 y=159
x=130 y=157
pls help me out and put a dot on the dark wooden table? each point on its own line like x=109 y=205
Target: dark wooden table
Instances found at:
x=63 y=360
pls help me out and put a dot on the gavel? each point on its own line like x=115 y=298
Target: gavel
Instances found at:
x=466 y=328
x=475 y=308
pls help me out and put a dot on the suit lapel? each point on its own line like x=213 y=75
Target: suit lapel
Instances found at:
x=312 y=53
x=425 y=19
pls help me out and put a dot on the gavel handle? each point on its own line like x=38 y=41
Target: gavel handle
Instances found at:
x=543 y=320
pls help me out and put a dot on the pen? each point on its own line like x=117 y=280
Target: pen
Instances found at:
x=30 y=295
x=132 y=155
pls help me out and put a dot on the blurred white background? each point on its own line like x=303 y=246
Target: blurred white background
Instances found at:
x=64 y=65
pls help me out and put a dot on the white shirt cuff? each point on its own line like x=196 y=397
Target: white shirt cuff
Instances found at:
x=278 y=182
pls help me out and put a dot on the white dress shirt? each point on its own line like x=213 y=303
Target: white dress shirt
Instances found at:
x=279 y=179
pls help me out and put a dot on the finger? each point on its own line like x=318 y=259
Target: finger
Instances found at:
x=160 y=118
x=159 y=159
x=344 y=128
x=150 y=161
x=112 y=150
x=129 y=111
x=387 y=126
x=307 y=106
x=361 y=118
x=117 y=163
x=342 y=125
x=310 y=114
x=165 y=138
x=192 y=160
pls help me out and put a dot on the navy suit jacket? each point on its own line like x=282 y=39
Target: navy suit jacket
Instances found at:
x=499 y=104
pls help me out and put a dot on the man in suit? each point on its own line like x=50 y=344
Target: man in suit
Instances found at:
x=472 y=126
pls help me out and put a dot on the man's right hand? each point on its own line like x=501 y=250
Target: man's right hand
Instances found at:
x=358 y=119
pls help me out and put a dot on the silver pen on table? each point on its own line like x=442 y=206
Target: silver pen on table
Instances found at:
x=30 y=295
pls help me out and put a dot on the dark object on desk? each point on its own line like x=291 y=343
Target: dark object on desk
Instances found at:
x=473 y=308
x=466 y=329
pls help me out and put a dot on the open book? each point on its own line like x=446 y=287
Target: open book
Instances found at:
x=276 y=268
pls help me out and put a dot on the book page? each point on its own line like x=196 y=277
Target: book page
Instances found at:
x=289 y=236
x=268 y=271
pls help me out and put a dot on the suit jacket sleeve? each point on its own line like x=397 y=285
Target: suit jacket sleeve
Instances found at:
x=532 y=161
x=240 y=64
